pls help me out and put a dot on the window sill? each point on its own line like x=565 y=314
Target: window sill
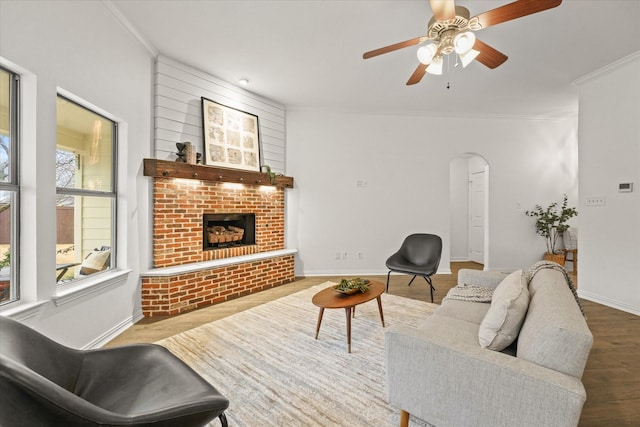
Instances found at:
x=21 y=311
x=84 y=287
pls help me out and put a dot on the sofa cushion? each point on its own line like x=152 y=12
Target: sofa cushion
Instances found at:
x=463 y=310
x=555 y=333
x=447 y=327
x=501 y=324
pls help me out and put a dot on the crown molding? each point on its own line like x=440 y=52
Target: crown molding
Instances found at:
x=146 y=44
x=607 y=69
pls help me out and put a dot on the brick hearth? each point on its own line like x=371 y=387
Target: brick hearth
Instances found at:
x=193 y=278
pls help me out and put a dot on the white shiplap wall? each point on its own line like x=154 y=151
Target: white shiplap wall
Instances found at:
x=178 y=111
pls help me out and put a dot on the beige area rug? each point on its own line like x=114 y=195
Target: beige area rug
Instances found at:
x=267 y=362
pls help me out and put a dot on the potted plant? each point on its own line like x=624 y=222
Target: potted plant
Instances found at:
x=550 y=224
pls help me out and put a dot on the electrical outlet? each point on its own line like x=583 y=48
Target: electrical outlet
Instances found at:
x=337 y=255
x=359 y=255
x=344 y=255
x=596 y=201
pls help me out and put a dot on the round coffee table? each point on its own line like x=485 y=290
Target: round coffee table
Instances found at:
x=330 y=298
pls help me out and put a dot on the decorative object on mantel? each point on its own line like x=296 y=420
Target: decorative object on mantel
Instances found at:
x=167 y=169
x=186 y=153
x=272 y=175
x=230 y=137
x=551 y=224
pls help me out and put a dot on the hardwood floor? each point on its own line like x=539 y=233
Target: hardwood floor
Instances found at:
x=611 y=377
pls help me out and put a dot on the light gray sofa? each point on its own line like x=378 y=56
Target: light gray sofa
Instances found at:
x=438 y=372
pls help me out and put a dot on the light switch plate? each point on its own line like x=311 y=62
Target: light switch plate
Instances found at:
x=596 y=201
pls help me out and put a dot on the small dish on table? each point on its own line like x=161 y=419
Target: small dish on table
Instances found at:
x=351 y=286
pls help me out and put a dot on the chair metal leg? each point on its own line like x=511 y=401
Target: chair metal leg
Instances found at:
x=427 y=278
x=431 y=288
x=223 y=420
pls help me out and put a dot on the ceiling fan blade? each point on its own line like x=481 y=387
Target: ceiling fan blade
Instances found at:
x=417 y=75
x=489 y=56
x=393 y=47
x=443 y=10
x=514 y=10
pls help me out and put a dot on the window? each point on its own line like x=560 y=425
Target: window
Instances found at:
x=9 y=188
x=86 y=193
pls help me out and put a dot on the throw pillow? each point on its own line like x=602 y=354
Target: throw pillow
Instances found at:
x=501 y=324
x=94 y=262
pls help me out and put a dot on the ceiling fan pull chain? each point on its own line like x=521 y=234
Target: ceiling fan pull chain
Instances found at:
x=448 y=69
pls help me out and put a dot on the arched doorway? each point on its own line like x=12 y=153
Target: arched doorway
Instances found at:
x=469 y=216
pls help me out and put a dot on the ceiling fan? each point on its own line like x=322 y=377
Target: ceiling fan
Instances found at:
x=451 y=31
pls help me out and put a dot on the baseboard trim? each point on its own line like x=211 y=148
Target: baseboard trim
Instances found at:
x=609 y=302
x=357 y=273
x=114 y=332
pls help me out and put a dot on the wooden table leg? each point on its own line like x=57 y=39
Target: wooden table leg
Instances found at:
x=380 y=310
x=404 y=418
x=348 y=312
x=319 y=322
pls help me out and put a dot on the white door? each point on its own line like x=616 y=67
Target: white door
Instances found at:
x=476 y=220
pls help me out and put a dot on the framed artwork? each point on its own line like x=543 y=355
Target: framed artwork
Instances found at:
x=230 y=137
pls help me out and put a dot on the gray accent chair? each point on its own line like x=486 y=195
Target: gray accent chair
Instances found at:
x=419 y=255
x=43 y=383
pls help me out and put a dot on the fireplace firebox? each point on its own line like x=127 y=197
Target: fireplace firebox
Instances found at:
x=227 y=230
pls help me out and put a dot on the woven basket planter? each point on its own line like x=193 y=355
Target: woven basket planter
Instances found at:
x=557 y=258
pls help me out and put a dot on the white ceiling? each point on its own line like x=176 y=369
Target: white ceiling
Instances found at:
x=308 y=53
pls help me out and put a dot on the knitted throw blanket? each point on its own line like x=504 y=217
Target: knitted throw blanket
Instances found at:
x=472 y=293
x=475 y=293
x=540 y=265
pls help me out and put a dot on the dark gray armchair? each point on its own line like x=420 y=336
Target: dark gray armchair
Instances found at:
x=419 y=255
x=43 y=383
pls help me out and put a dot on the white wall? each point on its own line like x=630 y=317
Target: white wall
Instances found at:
x=609 y=236
x=459 y=207
x=405 y=161
x=81 y=48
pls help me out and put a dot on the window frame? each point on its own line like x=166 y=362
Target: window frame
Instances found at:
x=13 y=184
x=112 y=194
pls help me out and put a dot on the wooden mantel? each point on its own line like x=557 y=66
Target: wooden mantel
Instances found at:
x=168 y=169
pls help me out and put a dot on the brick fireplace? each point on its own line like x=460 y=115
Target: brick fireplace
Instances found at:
x=190 y=274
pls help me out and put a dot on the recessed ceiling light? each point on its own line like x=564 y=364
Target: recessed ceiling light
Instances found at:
x=244 y=81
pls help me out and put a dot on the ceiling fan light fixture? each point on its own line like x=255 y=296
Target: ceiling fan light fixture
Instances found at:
x=436 y=66
x=426 y=53
x=467 y=57
x=463 y=42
